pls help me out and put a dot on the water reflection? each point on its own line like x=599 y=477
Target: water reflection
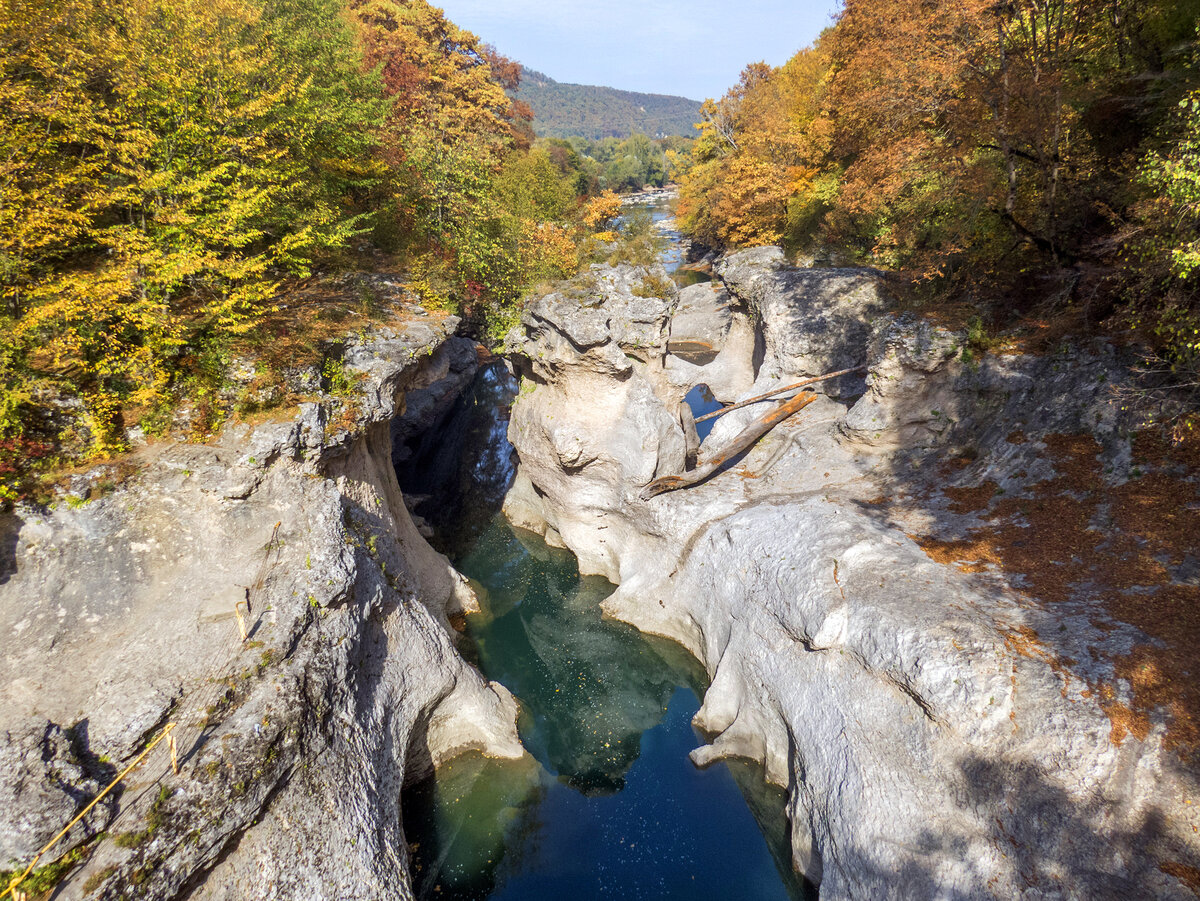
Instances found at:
x=611 y=806
x=702 y=402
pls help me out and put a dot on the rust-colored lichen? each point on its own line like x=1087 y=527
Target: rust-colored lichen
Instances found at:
x=1075 y=534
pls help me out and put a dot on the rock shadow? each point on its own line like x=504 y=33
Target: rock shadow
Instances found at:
x=1077 y=540
x=1055 y=847
x=10 y=533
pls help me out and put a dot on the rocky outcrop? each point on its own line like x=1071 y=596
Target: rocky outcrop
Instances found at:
x=933 y=745
x=294 y=746
x=828 y=332
x=711 y=341
x=588 y=405
x=928 y=388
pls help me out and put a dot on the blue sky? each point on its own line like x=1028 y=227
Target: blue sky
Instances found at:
x=695 y=48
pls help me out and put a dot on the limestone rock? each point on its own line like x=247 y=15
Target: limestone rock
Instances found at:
x=119 y=617
x=815 y=321
x=701 y=323
x=581 y=384
x=926 y=753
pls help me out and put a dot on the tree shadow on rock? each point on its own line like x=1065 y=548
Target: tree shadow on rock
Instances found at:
x=10 y=532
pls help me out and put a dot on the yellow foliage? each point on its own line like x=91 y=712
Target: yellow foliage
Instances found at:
x=167 y=165
x=162 y=164
x=602 y=209
x=760 y=149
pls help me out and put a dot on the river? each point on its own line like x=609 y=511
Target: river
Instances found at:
x=610 y=806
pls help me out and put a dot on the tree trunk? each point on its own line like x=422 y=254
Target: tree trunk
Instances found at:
x=748 y=437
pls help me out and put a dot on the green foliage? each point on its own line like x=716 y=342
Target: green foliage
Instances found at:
x=632 y=163
x=337 y=382
x=530 y=186
x=1165 y=242
x=1174 y=176
x=166 y=163
x=167 y=167
x=156 y=818
x=573 y=110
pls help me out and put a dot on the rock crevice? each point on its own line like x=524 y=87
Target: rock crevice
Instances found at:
x=927 y=751
x=294 y=745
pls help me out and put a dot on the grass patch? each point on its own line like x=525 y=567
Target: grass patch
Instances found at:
x=46 y=879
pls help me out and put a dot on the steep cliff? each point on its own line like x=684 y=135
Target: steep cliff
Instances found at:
x=295 y=744
x=948 y=719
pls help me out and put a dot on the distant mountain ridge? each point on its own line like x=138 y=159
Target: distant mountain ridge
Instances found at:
x=568 y=110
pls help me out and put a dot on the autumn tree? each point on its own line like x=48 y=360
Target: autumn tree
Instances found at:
x=165 y=162
x=758 y=159
x=967 y=126
x=1028 y=151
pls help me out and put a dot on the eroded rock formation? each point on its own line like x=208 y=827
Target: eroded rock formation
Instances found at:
x=941 y=729
x=294 y=746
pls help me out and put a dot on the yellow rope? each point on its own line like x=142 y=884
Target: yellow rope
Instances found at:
x=264 y=567
x=17 y=880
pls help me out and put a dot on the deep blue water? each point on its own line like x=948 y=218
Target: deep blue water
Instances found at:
x=612 y=807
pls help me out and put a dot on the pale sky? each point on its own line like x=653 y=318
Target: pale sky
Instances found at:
x=694 y=49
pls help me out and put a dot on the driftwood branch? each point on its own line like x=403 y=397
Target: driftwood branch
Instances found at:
x=770 y=394
x=746 y=439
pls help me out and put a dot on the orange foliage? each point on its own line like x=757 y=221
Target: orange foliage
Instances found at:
x=759 y=150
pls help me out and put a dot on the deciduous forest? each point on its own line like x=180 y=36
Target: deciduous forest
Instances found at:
x=168 y=168
x=1034 y=158
x=577 y=110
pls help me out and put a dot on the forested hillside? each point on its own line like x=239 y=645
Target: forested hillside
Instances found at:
x=169 y=168
x=1041 y=156
x=613 y=164
x=576 y=110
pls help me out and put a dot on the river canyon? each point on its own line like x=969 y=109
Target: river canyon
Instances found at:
x=480 y=662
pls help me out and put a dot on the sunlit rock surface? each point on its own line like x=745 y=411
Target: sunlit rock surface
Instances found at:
x=930 y=746
x=119 y=617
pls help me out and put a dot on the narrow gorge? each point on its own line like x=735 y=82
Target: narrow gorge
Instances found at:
x=905 y=623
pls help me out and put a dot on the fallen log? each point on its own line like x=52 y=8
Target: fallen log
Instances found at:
x=745 y=440
x=770 y=394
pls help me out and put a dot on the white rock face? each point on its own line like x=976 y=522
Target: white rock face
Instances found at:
x=828 y=332
x=711 y=343
x=119 y=617
x=925 y=754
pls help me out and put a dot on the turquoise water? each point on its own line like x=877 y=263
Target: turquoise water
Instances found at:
x=608 y=805
x=611 y=806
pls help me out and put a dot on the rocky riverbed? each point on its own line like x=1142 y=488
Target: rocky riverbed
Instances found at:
x=906 y=609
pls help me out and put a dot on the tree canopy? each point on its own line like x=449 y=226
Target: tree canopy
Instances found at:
x=1028 y=150
x=167 y=167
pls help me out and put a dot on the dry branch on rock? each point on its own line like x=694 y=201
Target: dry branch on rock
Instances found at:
x=778 y=391
x=745 y=440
